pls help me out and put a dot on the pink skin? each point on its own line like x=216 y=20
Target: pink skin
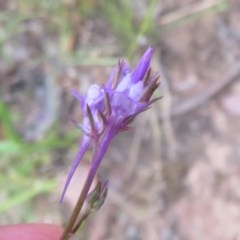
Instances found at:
x=36 y=231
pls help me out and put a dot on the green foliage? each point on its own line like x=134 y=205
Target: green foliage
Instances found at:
x=146 y=26
x=22 y=194
x=20 y=161
x=9 y=147
x=120 y=15
x=6 y=120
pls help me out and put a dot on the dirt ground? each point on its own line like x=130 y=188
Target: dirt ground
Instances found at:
x=176 y=174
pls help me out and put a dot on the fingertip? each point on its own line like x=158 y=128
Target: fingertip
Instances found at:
x=30 y=231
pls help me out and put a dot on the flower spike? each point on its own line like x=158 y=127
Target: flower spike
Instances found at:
x=109 y=109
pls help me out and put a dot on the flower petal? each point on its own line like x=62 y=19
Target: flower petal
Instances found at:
x=142 y=66
x=94 y=95
x=125 y=84
x=122 y=107
x=111 y=78
x=136 y=91
x=79 y=97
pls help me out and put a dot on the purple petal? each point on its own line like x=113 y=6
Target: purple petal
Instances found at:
x=125 y=84
x=125 y=68
x=136 y=91
x=111 y=78
x=80 y=154
x=142 y=66
x=122 y=106
x=94 y=94
x=124 y=71
x=79 y=97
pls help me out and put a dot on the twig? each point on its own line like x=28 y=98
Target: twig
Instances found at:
x=187 y=11
x=204 y=96
x=166 y=112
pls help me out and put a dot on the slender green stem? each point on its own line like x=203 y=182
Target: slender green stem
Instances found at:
x=78 y=225
x=98 y=155
x=68 y=230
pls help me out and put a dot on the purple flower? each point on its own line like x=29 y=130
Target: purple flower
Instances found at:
x=108 y=110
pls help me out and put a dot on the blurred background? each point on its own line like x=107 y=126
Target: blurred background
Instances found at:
x=176 y=174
